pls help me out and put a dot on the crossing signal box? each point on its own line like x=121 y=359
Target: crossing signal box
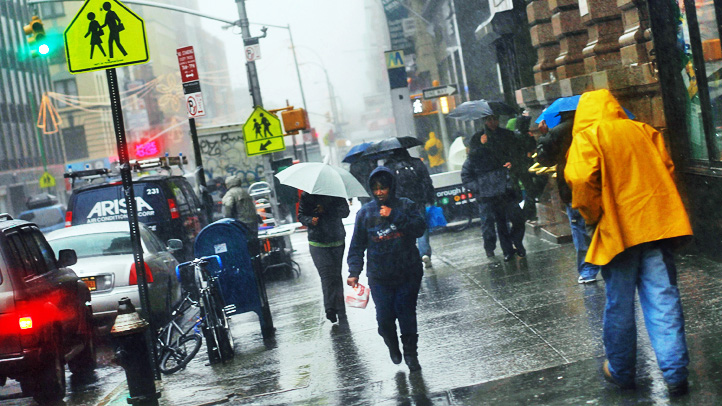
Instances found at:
x=294 y=120
x=35 y=33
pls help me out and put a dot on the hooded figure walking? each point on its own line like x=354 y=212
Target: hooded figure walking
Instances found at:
x=327 y=241
x=622 y=182
x=386 y=231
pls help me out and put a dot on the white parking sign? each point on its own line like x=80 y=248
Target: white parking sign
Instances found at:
x=194 y=103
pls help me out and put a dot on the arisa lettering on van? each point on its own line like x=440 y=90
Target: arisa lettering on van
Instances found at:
x=117 y=207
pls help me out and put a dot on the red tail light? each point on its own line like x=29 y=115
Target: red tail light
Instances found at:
x=133 y=279
x=173 y=209
x=26 y=323
x=68 y=218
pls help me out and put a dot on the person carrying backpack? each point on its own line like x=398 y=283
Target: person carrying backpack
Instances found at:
x=413 y=182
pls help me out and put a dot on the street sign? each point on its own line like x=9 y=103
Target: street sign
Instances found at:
x=105 y=34
x=187 y=64
x=253 y=52
x=439 y=91
x=262 y=133
x=394 y=59
x=47 y=180
x=194 y=105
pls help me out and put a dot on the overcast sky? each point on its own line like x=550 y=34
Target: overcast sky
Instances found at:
x=328 y=33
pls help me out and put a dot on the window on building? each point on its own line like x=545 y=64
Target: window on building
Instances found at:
x=52 y=10
x=67 y=87
x=76 y=147
x=702 y=75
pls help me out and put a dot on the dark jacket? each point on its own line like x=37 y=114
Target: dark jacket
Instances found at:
x=552 y=150
x=483 y=171
x=389 y=243
x=412 y=179
x=330 y=226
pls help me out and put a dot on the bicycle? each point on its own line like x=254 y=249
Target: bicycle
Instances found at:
x=177 y=347
x=203 y=288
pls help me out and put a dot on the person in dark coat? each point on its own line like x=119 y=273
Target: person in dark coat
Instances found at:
x=413 y=181
x=552 y=150
x=327 y=241
x=523 y=148
x=486 y=173
x=386 y=230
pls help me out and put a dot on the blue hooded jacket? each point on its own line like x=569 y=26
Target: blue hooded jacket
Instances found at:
x=389 y=243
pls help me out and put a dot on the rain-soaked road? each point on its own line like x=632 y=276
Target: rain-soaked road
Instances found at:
x=491 y=332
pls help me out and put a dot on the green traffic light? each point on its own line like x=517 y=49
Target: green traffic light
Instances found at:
x=43 y=49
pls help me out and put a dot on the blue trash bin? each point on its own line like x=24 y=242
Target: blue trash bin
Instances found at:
x=240 y=280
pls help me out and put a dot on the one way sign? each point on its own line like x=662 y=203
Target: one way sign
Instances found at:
x=439 y=91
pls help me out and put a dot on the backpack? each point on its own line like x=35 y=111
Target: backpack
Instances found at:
x=410 y=182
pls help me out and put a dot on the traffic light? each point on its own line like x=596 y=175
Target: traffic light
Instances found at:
x=35 y=33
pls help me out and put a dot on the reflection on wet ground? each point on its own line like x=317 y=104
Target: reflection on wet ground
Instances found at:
x=491 y=332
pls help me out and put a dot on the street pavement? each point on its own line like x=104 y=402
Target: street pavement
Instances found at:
x=491 y=333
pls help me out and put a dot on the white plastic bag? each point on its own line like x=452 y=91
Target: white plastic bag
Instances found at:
x=358 y=297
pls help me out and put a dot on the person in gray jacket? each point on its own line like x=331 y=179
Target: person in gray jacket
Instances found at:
x=238 y=204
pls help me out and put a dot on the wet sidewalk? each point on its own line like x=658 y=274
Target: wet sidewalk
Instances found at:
x=491 y=332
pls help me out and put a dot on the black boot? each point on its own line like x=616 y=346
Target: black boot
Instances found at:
x=393 y=343
x=410 y=342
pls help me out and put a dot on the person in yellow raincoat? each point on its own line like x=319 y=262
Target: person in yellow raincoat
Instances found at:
x=435 y=151
x=622 y=182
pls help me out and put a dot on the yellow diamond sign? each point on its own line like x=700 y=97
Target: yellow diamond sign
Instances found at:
x=262 y=133
x=47 y=180
x=105 y=34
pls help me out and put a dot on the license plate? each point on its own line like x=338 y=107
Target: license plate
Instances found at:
x=90 y=283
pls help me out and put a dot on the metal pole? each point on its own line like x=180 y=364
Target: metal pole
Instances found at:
x=201 y=175
x=41 y=144
x=303 y=96
x=255 y=90
x=125 y=174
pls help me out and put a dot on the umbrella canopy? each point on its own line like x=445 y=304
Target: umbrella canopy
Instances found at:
x=322 y=179
x=390 y=144
x=476 y=109
x=551 y=115
x=355 y=152
x=457 y=154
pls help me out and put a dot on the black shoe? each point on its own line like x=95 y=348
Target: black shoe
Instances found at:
x=509 y=257
x=412 y=361
x=490 y=254
x=393 y=346
x=331 y=315
x=521 y=252
x=678 y=389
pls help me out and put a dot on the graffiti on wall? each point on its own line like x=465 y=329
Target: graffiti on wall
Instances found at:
x=224 y=154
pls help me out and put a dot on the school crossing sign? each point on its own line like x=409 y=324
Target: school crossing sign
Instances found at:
x=105 y=34
x=262 y=133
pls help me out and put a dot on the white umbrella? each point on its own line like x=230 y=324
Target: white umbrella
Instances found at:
x=322 y=179
x=457 y=154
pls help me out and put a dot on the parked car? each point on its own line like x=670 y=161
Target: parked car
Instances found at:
x=47 y=218
x=107 y=265
x=166 y=204
x=45 y=313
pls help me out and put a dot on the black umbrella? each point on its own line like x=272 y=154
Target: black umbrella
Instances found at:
x=476 y=109
x=390 y=144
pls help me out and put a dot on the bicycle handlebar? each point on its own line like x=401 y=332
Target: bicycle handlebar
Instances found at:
x=197 y=262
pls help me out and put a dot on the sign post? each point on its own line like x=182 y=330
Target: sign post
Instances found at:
x=194 y=104
x=435 y=93
x=121 y=42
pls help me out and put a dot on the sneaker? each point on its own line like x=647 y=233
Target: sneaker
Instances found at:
x=427 y=261
x=678 y=389
x=609 y=378
x=582 y=280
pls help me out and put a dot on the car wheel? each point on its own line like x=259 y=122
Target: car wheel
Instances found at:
x=84 y=362
x=50 y=380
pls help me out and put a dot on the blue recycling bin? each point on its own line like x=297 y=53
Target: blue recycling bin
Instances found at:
x=240 y=279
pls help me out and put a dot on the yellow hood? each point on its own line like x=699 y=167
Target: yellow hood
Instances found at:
x=622 y=179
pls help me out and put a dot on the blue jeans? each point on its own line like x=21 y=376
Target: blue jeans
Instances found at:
x=648 y=268
x=396 y=302
x=579 y=236
x=423 y=241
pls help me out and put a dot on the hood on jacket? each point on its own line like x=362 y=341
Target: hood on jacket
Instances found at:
x=233 y=181
x=432 y=136
x=594 y=107
x=386 y=173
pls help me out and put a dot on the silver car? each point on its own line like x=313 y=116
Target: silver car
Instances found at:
x=106 y=264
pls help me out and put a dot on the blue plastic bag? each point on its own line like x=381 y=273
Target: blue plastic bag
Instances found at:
x=435 y=217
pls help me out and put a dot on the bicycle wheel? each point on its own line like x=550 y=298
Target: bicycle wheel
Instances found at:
x=225 y=338
x=176 y=358
x=211 y=328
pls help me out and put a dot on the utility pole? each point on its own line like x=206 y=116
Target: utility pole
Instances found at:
x=255 y=90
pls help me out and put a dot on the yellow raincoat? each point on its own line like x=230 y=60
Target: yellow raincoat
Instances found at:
x=437 y=158
x=622 y=179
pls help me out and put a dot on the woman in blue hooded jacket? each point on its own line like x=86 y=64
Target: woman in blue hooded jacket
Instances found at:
x=386 y=230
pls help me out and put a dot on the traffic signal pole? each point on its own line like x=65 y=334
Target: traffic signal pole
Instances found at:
x=255 y=90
